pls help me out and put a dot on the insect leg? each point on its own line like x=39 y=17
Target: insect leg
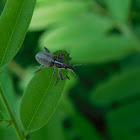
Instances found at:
x=54 y=76
x=67 y=55
x=66 y=77
x=54 y=72
x=61 y=55
x=46 y=50
x=61 y=77
x=38 y=68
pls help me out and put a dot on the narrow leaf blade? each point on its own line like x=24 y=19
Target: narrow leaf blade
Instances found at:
x=14 y=23
x=45 y=14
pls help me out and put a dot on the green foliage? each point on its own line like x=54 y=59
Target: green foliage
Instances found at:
x=80 y=30
x=80 y=123
x=125 y=120
x=118 y=120
x=47 y=132
x=119 y=9
x=14 y=23
x=40 y=99
x=103 y=102
x=82 y=127
x=119 y=87
x=1 y=117
x=48 y=14
x=103 y=51
x=6 y=81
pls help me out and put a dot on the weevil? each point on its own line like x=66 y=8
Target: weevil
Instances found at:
x=48 y=59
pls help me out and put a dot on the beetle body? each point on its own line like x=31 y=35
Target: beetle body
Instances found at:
x=46 y=59
x=50 y=60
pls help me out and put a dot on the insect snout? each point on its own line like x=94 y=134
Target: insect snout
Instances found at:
x=67 y=66
x=70 y=67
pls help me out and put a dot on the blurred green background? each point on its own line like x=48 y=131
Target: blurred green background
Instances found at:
x=104 y=102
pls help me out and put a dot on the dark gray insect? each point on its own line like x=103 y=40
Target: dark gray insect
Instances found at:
x=50 y=60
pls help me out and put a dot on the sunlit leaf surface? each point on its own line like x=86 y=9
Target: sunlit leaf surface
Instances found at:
x=14 y=22
x=41 y=99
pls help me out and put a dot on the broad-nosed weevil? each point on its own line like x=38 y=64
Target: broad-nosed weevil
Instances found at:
x=50 y=60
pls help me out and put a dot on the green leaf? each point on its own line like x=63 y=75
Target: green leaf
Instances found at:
x=1 y=117
x=125 y=117
x=12 y=98
x=47 y=132
x=2 y=109
x=124 y=135
x=124 y=85
x=8 y=134
x=103 y=49
x=84 y=29
x=40 y=99
x=40 y=3
x=79 y=38
x=82 y=127
x=119 y=9
x=5 y=81
x=124 y=122
x=56 y=13
x=14 y=23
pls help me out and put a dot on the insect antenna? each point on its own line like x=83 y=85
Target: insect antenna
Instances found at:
x=77 y=65
x=74 y=73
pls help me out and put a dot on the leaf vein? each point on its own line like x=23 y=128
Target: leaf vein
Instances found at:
x=39 y=106
x=12 y=34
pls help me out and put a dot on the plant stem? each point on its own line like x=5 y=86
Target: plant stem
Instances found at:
x=17 y=129
x=8 y=121
x=17 y=69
